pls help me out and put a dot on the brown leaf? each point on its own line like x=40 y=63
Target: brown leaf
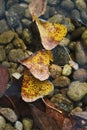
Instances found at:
x=37 y=7
x=4 y=78
x=67 y=124
x=42 y=120
x=57 y=116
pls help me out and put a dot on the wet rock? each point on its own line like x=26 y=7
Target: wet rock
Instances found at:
x=77 y=90
x=8 y=47
x=9 y=114
x=80 y=4
x=80 y=54
x=2 y=54
x=58 y=18
x=17 y=9
x=55 y=71
x=3 y=26
x=60 y=56
x=9 y=127
x=61 y=81
x=27 y=36
x=65 y=42
x=84 y=38
x=2 y=123
x=26 y=22
x=75 y=14
x=52 y=2
x=62 y=102
x=68 y=23
x=84 y=15
x=77 y=33
x=67 y=4
x=67 y=70
x=13 y=19
x=16 y=54
x=2 y=8
x=20 y=69
x=27 y=123
x=27 y=13
x=6 y=64
x=80 y=75
x=6 y=37
x=18 y=125
x=77 y=109
x=11 y=2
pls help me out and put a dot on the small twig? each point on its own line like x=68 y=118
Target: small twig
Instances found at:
x=51 y=106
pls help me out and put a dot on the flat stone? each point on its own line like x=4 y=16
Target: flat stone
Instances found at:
x=2 y=8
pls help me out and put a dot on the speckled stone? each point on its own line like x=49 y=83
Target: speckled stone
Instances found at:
x=77 y=90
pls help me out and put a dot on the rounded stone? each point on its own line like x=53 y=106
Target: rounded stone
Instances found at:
x=62 y=102
x=27 y=123
x=18 y=125
x=55 y=71
x=80 y=4
x=61 y=81
x=77 y=90
x=67 y=70
x=2 y=122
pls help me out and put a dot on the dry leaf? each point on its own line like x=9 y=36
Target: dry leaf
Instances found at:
x=38 y=64
x=42 y=120
x=51 y=33
x=57 y=116
x=33 y=89
x=37 y=7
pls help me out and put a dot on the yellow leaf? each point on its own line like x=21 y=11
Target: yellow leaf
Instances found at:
x=51 y=33
x=38 y=64
x=33 y=89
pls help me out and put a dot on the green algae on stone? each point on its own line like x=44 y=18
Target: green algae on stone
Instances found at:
x=6 y=37
x=62 y=101
x=27 y=123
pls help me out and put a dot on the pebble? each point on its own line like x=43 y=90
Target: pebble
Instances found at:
x=67 y=4
x=80 y=75
x=80 y=54
x=6 y=37
x=2 y=54
x=55 y=71
x=61 y=81
x=77 y=90
x=2 y=8
x=62 y=101
x=60 y=56
x=2 y=123
x=80 y=4
x=16 y=54
x=9 y=114
x=9 y=127
x=3 y=26
x=52 y=2
x=67 y=70
x=18 y=125
x=27 y=123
